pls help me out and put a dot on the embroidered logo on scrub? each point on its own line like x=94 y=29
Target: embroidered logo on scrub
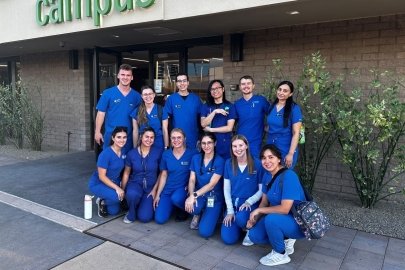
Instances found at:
x=117 y=100
x=184 y=163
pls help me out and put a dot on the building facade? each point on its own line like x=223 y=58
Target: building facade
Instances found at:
x=71 y=49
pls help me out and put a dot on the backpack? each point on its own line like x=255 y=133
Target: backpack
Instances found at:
x=312 y=221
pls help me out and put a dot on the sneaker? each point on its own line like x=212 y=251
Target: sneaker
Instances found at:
x=126 y=220
x=289 y=246
x=102 y=208
x=195 y=222
x=181 y=215
x=246 y=241
x=274 y=258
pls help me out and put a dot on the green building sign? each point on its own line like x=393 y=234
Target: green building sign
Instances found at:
x=59 y=11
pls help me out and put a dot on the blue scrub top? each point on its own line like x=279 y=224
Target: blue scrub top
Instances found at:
x=118 y=109
x=223 y=146
x=154 y=122
x=250 y=114
x=244 y=184
x=112 y=163
x=278 y=134
x=184 y=114
x=291 y=188
x=204 y=174
x=178 y=170
x=144 y=168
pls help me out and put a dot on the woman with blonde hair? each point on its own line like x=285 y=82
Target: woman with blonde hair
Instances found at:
x=242 y=190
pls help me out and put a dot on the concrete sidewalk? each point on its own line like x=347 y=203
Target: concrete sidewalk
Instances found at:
x=53 y=187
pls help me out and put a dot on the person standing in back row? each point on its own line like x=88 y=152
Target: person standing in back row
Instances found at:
x=284 y=121
x=183 y=110
x=114 y=108
x=251 y=111
x=218 y=116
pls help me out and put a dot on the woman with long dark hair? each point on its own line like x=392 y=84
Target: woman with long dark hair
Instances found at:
x=284 y=121
x=272 y=222
x=140 y=178
x=218 y=116
x=105 y=183
x=205 y=189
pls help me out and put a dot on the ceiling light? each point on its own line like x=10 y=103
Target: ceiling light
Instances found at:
x=294 y=12
x=134 y=59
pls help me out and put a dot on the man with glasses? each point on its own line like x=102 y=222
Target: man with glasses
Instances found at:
x=183 y=110
x=114 y=108
x=251 y=111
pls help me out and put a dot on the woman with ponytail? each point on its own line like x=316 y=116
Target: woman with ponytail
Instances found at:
x=148 y=114
x=284 y=121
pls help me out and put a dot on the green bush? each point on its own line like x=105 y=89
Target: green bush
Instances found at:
x=370 y=125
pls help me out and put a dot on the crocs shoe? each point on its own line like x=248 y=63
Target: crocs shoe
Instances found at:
x=102 y=208
x=195 y=222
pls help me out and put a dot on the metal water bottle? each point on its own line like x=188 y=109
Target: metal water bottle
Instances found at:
x=88 y=206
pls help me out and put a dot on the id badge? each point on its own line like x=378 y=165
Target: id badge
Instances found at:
x=210 y=201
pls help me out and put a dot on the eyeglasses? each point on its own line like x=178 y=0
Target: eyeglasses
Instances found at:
x=182 y=81
x=179 y=138
x=206 y=143
x=216 y=88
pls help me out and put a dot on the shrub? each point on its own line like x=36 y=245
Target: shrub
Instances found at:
x=370 y=124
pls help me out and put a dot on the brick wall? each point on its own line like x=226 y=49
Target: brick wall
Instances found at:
x=65 y=97
x=377 y=42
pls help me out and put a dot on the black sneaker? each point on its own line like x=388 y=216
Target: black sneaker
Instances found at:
x=181 y=215
x=124 y=205
x=102 y=208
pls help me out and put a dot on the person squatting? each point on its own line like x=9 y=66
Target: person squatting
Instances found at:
x=203 y=160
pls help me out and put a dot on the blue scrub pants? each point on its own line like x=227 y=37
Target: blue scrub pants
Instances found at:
x=209 y=215
x=273 y=229
x=139 y=204
x=230 y=235
x=109 y=195
x=167 y=202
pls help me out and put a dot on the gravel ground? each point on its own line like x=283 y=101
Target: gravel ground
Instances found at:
x=27 y=154
x=386 y=218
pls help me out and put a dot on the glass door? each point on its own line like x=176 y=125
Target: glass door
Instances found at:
x=105 y=68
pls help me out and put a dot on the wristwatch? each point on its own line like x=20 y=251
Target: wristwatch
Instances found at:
x=195 y=194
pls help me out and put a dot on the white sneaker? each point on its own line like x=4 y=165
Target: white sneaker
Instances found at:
x=126 y=220
x=289 y=246
x=274 y=258
x=246 y=241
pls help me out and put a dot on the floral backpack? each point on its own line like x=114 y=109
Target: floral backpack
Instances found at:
x=309 y=216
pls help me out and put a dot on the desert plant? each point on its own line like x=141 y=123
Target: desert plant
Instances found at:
x=369 y=130
x=22 y=118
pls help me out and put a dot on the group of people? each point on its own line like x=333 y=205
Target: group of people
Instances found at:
x=202 y=159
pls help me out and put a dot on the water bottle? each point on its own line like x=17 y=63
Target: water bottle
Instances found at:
x=88 y=206
x=302 y=135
